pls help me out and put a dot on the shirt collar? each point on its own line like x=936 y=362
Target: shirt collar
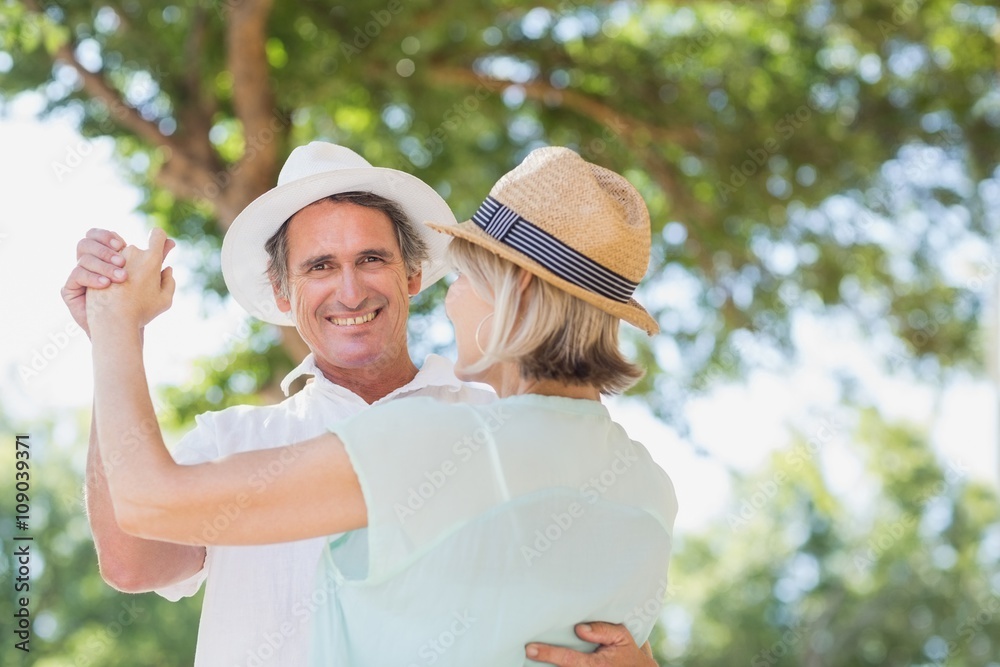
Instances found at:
x=435 y=372
x=307 y=367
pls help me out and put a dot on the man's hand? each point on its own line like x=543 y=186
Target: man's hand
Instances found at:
x=147 y=291
x=617 y=649
x=98 y=265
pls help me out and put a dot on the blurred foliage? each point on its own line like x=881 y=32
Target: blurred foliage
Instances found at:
x=77 y=619
x=227 y=379
x=900 y=566
x=796 y=155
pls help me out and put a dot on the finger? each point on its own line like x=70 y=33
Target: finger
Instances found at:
x=99 y=250
x=167 y=283
x=168 y=246
x=107 y=238
x=647 y=649
x=556 y=655
x=133 y=256
x=607 y=634
x=94 y=265
x=80 y=280
x=156 y=242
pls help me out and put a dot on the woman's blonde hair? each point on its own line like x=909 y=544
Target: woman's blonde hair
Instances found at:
x=550 y=334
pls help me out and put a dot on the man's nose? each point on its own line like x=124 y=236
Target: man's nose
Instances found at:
x=351 y=292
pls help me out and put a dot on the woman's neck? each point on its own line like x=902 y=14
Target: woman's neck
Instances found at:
x=507 y=381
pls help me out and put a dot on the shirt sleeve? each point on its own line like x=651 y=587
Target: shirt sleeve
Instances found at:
x=198 y=446
x=425 y=468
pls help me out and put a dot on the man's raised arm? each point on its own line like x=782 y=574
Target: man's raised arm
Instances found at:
x=128 y=563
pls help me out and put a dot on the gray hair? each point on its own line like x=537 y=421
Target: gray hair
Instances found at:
x=411 y=245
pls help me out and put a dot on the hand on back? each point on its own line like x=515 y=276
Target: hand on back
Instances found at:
x=617 y=648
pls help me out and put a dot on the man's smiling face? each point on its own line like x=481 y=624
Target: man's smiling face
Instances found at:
x=348 y=288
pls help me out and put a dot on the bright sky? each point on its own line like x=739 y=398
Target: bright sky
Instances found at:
x=46 y=209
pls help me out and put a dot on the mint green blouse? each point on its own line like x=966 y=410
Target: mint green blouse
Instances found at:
x=491 y=526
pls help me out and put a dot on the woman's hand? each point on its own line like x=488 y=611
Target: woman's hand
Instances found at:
x=147 y=291
x=98 y=265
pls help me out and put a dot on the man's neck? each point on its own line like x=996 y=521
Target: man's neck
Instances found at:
x=372 y=382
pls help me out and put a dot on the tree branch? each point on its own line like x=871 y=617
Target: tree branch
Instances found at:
x=581 y=103
x=253 y=103
x=638 y=134
x=195 y=110
x=124 y=114
x=182 y=172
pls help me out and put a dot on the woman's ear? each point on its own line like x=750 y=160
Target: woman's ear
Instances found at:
x=524 y=280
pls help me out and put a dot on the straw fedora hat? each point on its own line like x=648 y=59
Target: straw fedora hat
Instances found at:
x=580 y=227
x=311 y=173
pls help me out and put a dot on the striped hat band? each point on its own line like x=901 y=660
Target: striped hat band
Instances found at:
x=509 y=228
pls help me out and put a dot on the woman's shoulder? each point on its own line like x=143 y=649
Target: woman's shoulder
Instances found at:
x=415 y=416
x=428 y=406
x=423 y=406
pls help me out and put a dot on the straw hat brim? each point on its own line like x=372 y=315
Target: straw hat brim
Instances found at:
x=630 y=311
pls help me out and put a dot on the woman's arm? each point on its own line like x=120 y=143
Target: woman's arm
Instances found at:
x=303 y=490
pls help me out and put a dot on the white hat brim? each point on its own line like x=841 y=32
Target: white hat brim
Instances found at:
x=244 y=260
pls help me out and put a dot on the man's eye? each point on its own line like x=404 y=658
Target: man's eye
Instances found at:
x=371 y=258
x=318 y=267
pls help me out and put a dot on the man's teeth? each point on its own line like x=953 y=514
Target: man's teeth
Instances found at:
x=351 y=321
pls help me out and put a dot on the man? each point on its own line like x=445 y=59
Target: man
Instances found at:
x=336 y=250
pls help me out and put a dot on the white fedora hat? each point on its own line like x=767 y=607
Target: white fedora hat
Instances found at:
x=311 y=173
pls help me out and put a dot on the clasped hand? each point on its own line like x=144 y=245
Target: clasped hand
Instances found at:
x=147 y=292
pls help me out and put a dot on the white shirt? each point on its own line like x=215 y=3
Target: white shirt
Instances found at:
x=259 y=600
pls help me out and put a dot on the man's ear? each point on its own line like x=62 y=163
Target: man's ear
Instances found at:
x=413 y=283
x=284 y=305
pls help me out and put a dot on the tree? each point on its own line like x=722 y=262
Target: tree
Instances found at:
x=903 y=571
x=795 y=156
x=76 y=619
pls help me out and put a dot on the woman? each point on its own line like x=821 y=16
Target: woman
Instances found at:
x=467 y=531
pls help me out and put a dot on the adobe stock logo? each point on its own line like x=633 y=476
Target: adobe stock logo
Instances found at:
x=592 y=490
x=435 y=647
x=372 y=29
x=437 y=478
x=44 y=355
x=74 y=157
